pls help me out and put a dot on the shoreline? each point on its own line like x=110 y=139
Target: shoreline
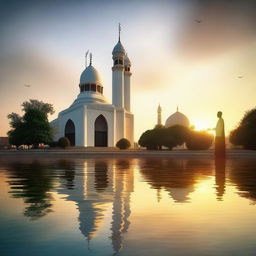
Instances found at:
x=112 y=153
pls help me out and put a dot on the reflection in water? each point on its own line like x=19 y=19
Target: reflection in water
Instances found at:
x=220 y=177
x=243 y=174
x=92 y=202
x=32 y=182
x=69 y=172
x=101 y=176
x=121 y=206
x=102 y=189
x=177 y=176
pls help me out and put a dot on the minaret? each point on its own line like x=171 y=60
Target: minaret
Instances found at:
x=127 y=88
x=159 y=115
x=118 y=55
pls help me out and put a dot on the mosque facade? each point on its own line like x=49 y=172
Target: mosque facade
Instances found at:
x=91 y=120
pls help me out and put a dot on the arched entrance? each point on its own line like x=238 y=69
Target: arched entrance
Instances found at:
x=100 y=132
x=70 y=132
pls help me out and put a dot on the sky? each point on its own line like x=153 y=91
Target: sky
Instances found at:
x=201 y=67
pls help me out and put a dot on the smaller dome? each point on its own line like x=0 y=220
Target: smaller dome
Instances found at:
x=177 y=119
x=118 y=50
x=127 y=61
x=90 y=76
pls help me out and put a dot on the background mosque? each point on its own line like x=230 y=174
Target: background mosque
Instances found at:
x=91 y=120
x=176 y=118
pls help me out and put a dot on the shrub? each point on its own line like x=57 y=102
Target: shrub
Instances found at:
x=64 y=142
x=175 y=136
x=245 y=133
x=54 y=144
x=160 y=136
x=123 y=144
x=199 y=140
x=149 y=139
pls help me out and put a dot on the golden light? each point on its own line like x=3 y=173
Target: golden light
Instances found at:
x=201 y=125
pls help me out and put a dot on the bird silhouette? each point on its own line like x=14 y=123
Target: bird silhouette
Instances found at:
x=27 y=85
x=240 y=76
x=198 y=21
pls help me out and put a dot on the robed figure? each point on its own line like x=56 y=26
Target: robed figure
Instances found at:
x=220 y=149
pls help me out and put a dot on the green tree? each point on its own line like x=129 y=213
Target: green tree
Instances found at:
x=245 y=134
x=33 y=127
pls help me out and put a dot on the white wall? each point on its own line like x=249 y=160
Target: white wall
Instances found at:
x=127 y=93
x=129 y=131
x=120 y=124
x=77 y=116
x=92 y=114
x=118 y=87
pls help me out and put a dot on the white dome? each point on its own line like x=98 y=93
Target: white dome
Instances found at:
x=127 y=61
x=90 y=97
x=177 y=119
x=118 y=50
x=90 y=76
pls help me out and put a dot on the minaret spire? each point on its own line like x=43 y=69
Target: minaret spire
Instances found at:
x=86 y=54
x=119 y=31
x=159 y=115
x=90 y=58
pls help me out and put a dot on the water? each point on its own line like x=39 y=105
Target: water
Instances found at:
x=127 y=207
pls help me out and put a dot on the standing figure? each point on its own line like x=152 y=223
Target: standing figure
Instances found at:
x=220 y=149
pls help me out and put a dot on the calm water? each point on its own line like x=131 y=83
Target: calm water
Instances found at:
x=127 y=207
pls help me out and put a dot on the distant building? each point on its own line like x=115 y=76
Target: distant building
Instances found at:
x=91 y=120
x=176 y=118
x=159 y=115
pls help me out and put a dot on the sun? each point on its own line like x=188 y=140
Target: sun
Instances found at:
x=201 y=125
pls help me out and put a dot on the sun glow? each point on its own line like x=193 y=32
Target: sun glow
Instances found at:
x=201 y=125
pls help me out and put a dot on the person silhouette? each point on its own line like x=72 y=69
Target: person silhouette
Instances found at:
x=220 y=150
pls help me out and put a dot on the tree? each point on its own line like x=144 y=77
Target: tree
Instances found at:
x=123 y=144
x=175 y=136
x=199 y=140
x=160 y=136
x=245 y=134
x=150 y=139
x=33 y=127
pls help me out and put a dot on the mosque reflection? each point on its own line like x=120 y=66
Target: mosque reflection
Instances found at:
x=103 y=183
x=96 y=186
x=177 y=176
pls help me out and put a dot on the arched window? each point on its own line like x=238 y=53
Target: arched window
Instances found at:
x=70 y=132
x=100 y=132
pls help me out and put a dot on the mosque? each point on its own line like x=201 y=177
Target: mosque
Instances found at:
x=177 y=118
x=91 y=120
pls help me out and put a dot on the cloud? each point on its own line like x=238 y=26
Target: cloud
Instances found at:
x=225 y=25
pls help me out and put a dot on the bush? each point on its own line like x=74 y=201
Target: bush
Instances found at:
x=245 y=134
x=64 y=142
x=174 y=136
x=199 y=140
x=54 y=144
x=123 y=144
x=160 y=136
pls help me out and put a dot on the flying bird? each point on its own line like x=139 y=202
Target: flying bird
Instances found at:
x=198 y=21
x=27 y=85
x=240 y=76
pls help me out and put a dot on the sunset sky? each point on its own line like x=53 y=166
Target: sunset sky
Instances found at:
x=202 y=67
